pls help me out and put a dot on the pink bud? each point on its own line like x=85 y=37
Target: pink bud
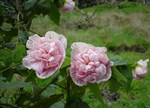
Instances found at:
x=141 y=69
x=68 y=6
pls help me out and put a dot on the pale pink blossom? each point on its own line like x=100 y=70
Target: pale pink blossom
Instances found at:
x=89 y=64
x=68 y=6
x=46 y=54
x=141 y=69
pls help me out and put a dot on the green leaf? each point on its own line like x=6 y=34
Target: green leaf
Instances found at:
x=21 y=70
x=1 y=10
x=76 y=103
x=118 y=60
x=77 y=91
x=116 y=74
x=2 y=78
x=1 y=15
x=5 y=55
x=126 y=71
x=47 y=102
x=23 y=98
x=42 y=7
x=97 y=93
x=31 y=76
x=8 y=74
x=54 y=14
x=114 y=85
x=16 y=84
x=19 y=53
x=66 y=62
x=23 y=36
x=29 y=4
x=8 y=35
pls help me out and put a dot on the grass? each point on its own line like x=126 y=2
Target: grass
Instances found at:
x=124 y=24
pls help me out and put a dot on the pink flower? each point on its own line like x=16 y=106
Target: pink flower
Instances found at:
x=45 y=54
x=89 y=64
x=141 y=69
x=68 y=6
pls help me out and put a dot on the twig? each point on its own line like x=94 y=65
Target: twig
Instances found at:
x=34 y=32
x=17 y=6
x=9 y=68
x=6 y=6
x=60 y=86
x=7 y=105
x=68 y=88
x=13 y=5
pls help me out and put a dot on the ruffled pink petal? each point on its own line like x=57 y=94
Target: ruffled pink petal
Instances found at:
x=143 y=62
x=45 y=54
x=46 y=73
x=89 y=64
x=26 y=62
x=55 y=36
x=33 y=41
x=78 y=47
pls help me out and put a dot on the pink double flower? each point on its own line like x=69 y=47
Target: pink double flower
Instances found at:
x=46 y=54
x=89 y=64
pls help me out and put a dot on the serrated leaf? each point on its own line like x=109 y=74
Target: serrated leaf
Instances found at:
x=29 y=3
x=114 y=85
x=118 y=60
x=8 y=74
x=126 y=71
x=54 y=14
x=47 y=102
x=76 y=103
x=31 y=76
x=5 y=55
x=19 y=52
x=77 y=91
x=97 y=93
x=23 y=36
x=116 y=74
x=2 y=78
x=42 y=7
x=16 y=84
x=8 y=35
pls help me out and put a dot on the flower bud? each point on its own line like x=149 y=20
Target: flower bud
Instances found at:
x=141 y=69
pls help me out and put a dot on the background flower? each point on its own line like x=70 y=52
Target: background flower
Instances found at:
x=89 y=64
x=141 y=69
x=45 y=54
x=68 y=6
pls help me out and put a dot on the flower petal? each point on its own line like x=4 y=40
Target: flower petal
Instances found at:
x=78 y=47
x=55 y=36
x=33 y=41
x=143 y=62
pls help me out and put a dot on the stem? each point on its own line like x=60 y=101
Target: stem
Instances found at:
x=35 y=97
x=17 y=6
x=9 y=68
x=13 y=5
x=34 y=87
x=68 y=88
x=8 y=105
x=34 y=32
x=6 y=6
x=60 y=86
